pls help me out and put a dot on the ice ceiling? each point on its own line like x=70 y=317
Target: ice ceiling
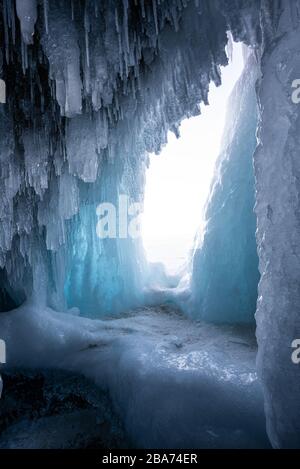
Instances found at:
x=92 y=88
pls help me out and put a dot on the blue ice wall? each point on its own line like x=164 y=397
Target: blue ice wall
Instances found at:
x=104 y=275
x=225 y=263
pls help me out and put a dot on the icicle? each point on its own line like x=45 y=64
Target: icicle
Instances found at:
x=72 y=10
x=175 y=18
x=117 y=21
x=87 y=30
x=6 y=23
x=125 y=24
x=46 y=6
x=24 y=57
x=27 y=14
x=13 y=25
x=120 y=55
x=143 y=9
x=133 y=89
x=229 y=46
x=155 y=16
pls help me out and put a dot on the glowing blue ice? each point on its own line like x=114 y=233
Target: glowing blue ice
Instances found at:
x=225 y=264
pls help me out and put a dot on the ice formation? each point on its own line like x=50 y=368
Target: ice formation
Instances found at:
x=98 y=89
x=225 y=264
x=174 y=383
x=277 y=168
x=92 y=88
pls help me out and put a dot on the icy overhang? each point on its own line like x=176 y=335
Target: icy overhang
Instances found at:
x=91 y=84
x=92 y=88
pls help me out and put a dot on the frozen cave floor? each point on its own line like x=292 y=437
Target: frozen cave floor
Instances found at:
x=150 y=378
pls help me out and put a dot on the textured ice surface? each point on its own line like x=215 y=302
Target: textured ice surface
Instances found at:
x=277 y=167
x=136 y=69
x=225 y=263
x=174 y=383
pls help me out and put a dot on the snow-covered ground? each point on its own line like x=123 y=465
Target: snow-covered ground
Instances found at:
x=173 y=382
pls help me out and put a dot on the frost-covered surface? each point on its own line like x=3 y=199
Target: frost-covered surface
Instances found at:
x=174 y=382
x=225 y=263
x=277 y=167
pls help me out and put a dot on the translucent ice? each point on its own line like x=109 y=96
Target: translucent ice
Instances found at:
x=225 y=263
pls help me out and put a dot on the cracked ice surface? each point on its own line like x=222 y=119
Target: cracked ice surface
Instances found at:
x=174 y=382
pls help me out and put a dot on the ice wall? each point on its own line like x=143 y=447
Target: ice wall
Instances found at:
x=225 y=263
x=277 y=170
x=105 y=276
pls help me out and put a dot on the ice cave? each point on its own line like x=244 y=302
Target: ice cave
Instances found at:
x=100 y=347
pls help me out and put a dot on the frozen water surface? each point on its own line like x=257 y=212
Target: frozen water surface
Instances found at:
x=173 y=382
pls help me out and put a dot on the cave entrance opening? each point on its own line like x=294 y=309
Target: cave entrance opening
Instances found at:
x=178 y=180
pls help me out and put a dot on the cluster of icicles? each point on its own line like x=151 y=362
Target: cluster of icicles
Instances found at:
x=92 y=84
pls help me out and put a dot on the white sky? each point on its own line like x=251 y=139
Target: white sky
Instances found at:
x=178 y=179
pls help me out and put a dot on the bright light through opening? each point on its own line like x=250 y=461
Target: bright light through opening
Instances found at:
x=178 y=180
